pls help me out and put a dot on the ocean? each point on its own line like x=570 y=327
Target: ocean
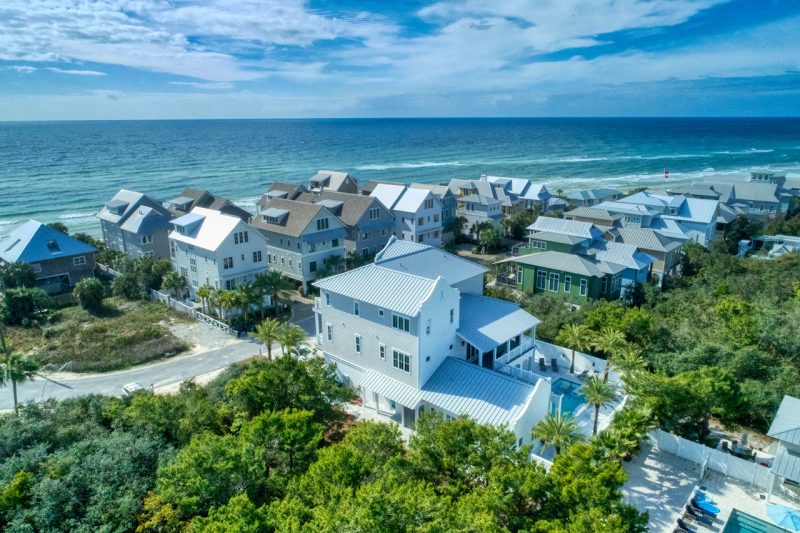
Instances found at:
x=65 y=171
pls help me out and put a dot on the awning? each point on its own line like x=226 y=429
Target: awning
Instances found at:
x=400 y=393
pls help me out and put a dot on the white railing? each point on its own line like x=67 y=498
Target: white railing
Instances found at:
x=197 y=315
x=525 y=346
x=520 y=374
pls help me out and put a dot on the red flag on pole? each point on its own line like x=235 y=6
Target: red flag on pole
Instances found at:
x=666 y=173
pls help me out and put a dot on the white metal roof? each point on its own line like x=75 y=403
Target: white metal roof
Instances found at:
x=486 y=396
x=388 y=194
x=212 y=228
x=412 y=199
x=626 y=255
x=486 y=322
x=426 y=261
x=403 y=394
x=558 y=261
x=786 y=424
x=567 y=227
x=384 y=287
x=787 y=464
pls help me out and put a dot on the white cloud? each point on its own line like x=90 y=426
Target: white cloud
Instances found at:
x=204 y=85
x=22 y=69
x=75 y=72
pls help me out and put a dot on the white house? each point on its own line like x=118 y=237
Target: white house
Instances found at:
x=413 y=332
x=417 y=212
x=208 y=247
x=675 y=216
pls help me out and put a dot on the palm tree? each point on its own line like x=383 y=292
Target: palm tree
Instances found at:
x=275 y=285
x=558 y=431
x=334 y=263
x=204 y=293
x=227 y=301
x=267 y=332
x=174 y=283
x=290 y=336
x=574 y=337
x=609 y=341
x=630 y=363
x=213 y=299
x=16 y=368
x=598 y=392
x=244 y=297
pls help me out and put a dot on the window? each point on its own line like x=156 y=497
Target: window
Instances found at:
x=382 y=351
x=184 y=272
x=227 y=263
x=334 y=243
x=364 y=236
x=145 y=239
x=355 y=308
x=603 y=285
x=322 y=223
x=429 y=203
x=312 y=266
x=312 y=248
x=401 y=323
x=330 y=332
x=79 y=260
x=541 y=279
x=257 y=256
x=401 y=360
x=452 y=315
x=553 y=281
x=420 y=221
x=36 y=268
x=520 y=272
x=428 y=327
x=567 y=283
x=374 y=212
x=149 y=253
x=539 y=244
x=328 y=299
x=436 y=217
x=193 y=264
x=380 y=312
x=358 y=343
x=240 y=237
x=230 y=284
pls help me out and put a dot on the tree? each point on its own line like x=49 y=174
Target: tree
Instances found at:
x=490 y=239
x=599 y=393
x=175 y=284
x=16 y=368
x=275 y=285
x=516 y=225
x=456 y=227
x=227 y=301
x=18 y=275
x=90 y=293
x=126 y=285
x=58 y=226
x=21 y=305
x=239 y=515
x=630 y=363
x=204 y=292
x=267 y=332
x=741 y=228
x=609 y=341
x=248 y=295
x=558 y=431
x=574 y=337
x=290 y=336
x=334 y=263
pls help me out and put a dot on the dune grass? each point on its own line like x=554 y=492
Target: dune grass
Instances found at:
x=122 y=334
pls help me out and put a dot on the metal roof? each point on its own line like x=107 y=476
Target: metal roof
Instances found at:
x=648 y=239
x=33 y=242
x=626 y=255
x=146 y=220
x=383 y=287
x=478 y=199
x=592 y=194
x=411 y=200
x=574 y=264
x=438 y=190
x=211 y=229
x=130 y=200
x=786 y=424
x=787 y=464
x=388 y=193
x=403 y=394
x=486 y=322
x=486 y=396
x=274 y=212
x=426 y=261
x=335 y=178
x=567 y=227
x=562 y=238
x=595 y=213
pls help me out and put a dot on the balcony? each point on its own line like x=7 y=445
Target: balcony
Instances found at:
x=526 y=345
x=507 y=278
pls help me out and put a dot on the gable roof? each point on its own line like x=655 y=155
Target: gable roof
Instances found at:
x=648 y=239
x=426 y=261
x=204 y=199
x=786 y=424
x=559 y=261
x=388 y=193
x=291 y=191
x=207 y=228
x=353 y=205
x=521 y=187
x=147 y=214
x=586 y=230
x=439 y=190
x=299 y=216
x=387 y=288
x=486 y=322
x=552 y=236
x=412 y=199
x=335 y=178
x=618 y=253
x=33 y=242
x=594 y=213
x=592 y=194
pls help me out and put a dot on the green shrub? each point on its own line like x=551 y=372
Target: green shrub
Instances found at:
x=90 y=293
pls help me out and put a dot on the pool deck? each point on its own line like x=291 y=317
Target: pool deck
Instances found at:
x=662 y=484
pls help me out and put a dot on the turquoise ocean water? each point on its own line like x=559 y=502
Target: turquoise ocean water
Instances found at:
x=64 y=171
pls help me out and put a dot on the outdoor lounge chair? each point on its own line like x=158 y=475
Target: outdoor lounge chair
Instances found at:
x=701 y=496
x=704 y=508
x=542 y=366
x=683 y=527
x=554 y=364
x=583 y=374
x=698 y=517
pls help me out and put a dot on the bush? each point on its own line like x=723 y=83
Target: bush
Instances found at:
x=20 y=305
x=90 y=293
x=18 y=275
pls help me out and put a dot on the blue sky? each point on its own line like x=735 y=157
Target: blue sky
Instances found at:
x=129 y=59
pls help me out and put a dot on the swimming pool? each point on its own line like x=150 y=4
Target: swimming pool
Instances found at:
x=572 y=398
x=740 y=522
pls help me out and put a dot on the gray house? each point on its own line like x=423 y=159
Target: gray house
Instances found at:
x=136 y=224
x=191 y=198
x=300 y=235
x=445 y=195
x=58 y=260
x=369 y=224
x=331 y=180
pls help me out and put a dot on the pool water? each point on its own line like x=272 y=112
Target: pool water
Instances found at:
x=740 y=522
x=572 y=399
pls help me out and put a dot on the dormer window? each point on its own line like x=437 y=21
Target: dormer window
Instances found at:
x=53 y=247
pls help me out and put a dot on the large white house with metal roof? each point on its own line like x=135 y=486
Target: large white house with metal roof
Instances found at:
x=417 y=212
x=208 y=247
x=414 y=332
x=785 y=469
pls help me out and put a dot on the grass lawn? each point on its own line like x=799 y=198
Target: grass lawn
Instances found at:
x=123 y=334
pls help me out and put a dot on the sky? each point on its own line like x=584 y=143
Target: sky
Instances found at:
x=156 y=59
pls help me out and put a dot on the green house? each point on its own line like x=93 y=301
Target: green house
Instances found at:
x=547 y=241
x=577 y=277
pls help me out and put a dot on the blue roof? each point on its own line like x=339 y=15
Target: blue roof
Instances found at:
x=33 y=242
x=486 y=322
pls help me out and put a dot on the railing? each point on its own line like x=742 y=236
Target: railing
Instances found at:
x=507 y=278
x=520 y=374
x=525 y=346
x=197 y=315
x=107 y=270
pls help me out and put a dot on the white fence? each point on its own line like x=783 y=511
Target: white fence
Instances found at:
x=715 y=460
x=183 y=308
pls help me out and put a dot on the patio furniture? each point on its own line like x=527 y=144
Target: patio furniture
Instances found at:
x=554 y=364
x=698 y=517
x=542 y=365
x=701 y=496
x=706 y=508
x=683 y=527
x=583 y=374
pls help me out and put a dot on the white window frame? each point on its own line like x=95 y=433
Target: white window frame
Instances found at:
x=78 y=260
x=554 y=276
x=541 y=276
x=567 y=283
x=358 y=344
x=401 y=323
x=401 y=361
x=356 y=309
x=382 y=351
x=329 y=332
x=328 y=299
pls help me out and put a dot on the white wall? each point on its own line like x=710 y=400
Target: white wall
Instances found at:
x=442 y=341
x=535 y=411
